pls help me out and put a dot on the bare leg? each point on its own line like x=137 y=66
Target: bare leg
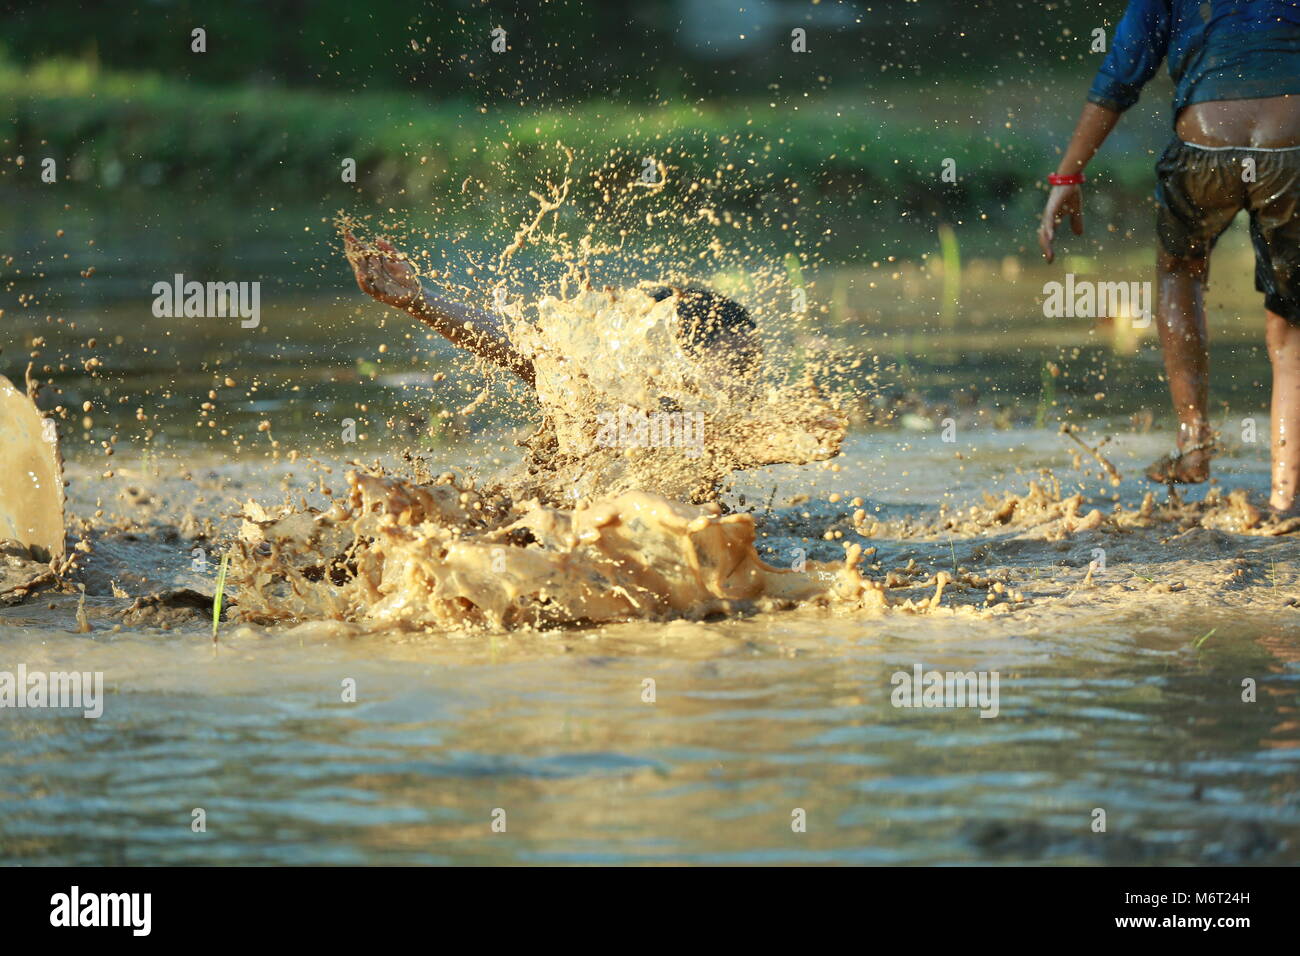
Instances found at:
x=1180 y=317
x=1284 y=352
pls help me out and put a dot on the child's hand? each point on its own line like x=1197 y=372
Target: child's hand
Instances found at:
x=1062 y=201
x=382 y=272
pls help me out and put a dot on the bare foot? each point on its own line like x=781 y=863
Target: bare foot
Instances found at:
x=1282 y=520
x=1190 y=464
x=382 y=272
x=1182 y=468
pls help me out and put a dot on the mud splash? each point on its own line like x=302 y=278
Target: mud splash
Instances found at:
x=626 y=409
x=32 y=552
x=31 y=481
x=615 y=513
x=446 y=557
x=590 y=528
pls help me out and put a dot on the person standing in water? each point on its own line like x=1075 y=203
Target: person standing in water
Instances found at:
x=1236 y=111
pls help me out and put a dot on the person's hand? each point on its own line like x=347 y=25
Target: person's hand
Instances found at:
x=382 y=272
x=1062 y=201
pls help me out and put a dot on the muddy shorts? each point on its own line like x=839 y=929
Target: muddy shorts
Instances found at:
x=1200 y=189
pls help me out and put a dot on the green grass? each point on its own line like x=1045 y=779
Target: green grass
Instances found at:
x=221 y=590
x=951 y=258
x=1046 y=396
x=109 y=128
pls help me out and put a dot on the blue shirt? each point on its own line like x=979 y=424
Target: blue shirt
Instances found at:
x=1217 y=50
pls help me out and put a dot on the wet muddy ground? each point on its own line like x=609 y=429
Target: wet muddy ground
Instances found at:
x=1124 y=693
x=1121 y=674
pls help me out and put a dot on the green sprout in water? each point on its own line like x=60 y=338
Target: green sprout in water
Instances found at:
x=1204 y=637
x=794 y=270
x=221 y=589
x=951 y=257
x=1046 y=395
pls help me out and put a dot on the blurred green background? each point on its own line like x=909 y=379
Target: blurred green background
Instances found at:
x=413 y=91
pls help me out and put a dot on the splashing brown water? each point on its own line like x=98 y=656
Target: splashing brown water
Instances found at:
x=591 y=527
x=31 y=483
x=32 y=552
x=614 y=513
x=594 y=525
x=625 y=409
x=445 y=556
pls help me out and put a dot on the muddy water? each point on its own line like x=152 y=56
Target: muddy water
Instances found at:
x=1124 y=694
x=753 y=719
x=1104 y=702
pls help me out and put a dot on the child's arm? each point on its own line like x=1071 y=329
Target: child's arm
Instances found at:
x=1140 y=43
x=384 y=274
x=1095 y=124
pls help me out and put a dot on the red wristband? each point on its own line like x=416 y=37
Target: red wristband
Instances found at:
x=1074 y=179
